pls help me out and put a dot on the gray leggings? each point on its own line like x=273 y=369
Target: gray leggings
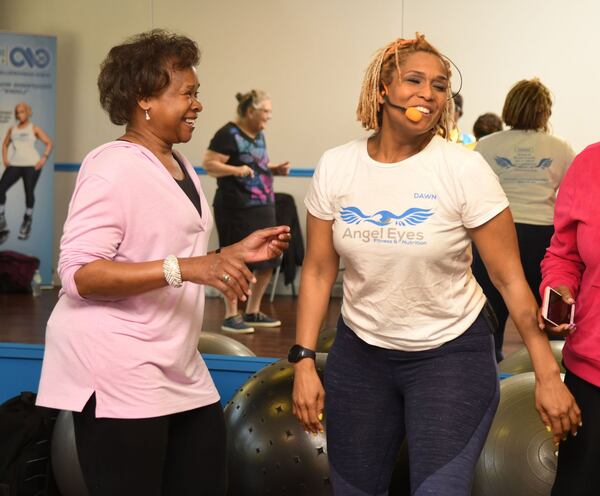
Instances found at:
x=443 y=400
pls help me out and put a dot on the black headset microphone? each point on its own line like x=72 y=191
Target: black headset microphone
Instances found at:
x=411 y=113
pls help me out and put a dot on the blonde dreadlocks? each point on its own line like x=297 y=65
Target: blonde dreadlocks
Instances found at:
x=381 y=70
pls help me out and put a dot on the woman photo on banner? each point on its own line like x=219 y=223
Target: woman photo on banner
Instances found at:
x=22 y=161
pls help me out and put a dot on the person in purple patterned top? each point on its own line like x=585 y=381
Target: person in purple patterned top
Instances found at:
x=237 y=156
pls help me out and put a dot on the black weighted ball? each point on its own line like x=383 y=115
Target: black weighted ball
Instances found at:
x=268 y=450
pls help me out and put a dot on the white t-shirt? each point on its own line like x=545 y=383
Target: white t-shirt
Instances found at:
x=530 y=166
x=23 y=141
x=401 y=232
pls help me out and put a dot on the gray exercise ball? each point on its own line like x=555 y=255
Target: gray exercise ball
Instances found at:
x=218 y=344
x=326 y=339
x=519 y=457
x=64 y=457
x=520 y=361
x=268 y=450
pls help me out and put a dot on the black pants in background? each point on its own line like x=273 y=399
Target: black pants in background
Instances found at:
x=174 y=455
x=533 y=241
x=12 y=174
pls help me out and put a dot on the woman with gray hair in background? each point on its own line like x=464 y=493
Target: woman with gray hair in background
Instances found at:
x=245 y=200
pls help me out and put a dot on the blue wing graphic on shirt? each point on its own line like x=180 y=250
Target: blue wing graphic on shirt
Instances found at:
x=504 y=162
x=411 y=217
x=545 y=163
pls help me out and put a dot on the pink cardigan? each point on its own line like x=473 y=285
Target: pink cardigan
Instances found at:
x=138 y=354
x=573 y=259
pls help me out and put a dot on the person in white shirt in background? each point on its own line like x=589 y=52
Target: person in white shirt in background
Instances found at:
x=530 y=164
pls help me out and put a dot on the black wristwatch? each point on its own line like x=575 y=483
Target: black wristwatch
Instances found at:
x=298 y=352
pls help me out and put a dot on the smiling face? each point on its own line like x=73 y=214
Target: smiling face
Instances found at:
x=173 y=113
x=422 y=84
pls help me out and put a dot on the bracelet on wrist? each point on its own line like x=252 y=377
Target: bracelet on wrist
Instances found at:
x=172 y=271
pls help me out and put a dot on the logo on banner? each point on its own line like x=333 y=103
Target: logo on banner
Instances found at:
x=34 y=58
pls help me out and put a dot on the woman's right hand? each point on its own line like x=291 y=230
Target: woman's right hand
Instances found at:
x=308 y=397
x=225 y=271
x=557 y=407
x=244 y=171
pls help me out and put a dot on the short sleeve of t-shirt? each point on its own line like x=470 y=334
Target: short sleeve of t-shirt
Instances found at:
x=479 y=191
x=223 y=142
x=318 y=200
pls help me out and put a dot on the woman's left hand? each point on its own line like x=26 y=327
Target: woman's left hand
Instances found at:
x=263 y=244
x=561 y=330
x=557 y=408
x=40 y=163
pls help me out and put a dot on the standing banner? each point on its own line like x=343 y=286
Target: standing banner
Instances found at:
x=27 y=131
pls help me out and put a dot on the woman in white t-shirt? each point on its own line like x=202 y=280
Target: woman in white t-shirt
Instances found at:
x=414 y=351
x=22 y=161
x=530 y=164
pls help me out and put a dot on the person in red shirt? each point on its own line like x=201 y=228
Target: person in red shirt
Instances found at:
x=572 y=267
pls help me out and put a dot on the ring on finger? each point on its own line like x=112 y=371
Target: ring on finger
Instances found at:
x=225 y=277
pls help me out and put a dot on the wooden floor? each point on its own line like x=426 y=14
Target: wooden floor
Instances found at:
x=23 y=320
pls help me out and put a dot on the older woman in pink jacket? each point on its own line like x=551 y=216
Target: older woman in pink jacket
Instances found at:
x=121 y=342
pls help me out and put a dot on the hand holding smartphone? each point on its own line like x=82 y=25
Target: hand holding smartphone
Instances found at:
x=554 y=310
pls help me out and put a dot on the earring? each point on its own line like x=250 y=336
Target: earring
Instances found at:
x=147 y=115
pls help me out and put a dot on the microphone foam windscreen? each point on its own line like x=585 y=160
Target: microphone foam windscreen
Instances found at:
x=413 y=114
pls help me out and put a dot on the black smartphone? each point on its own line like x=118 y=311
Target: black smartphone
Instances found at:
x=554 y=310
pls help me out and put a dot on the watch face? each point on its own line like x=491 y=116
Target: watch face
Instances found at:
x=293 y=355
x=298 y=352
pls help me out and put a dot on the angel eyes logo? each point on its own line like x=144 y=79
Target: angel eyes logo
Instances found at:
x=410 y=217
x=387 y=231
x=506 y=163
x=19 y=56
